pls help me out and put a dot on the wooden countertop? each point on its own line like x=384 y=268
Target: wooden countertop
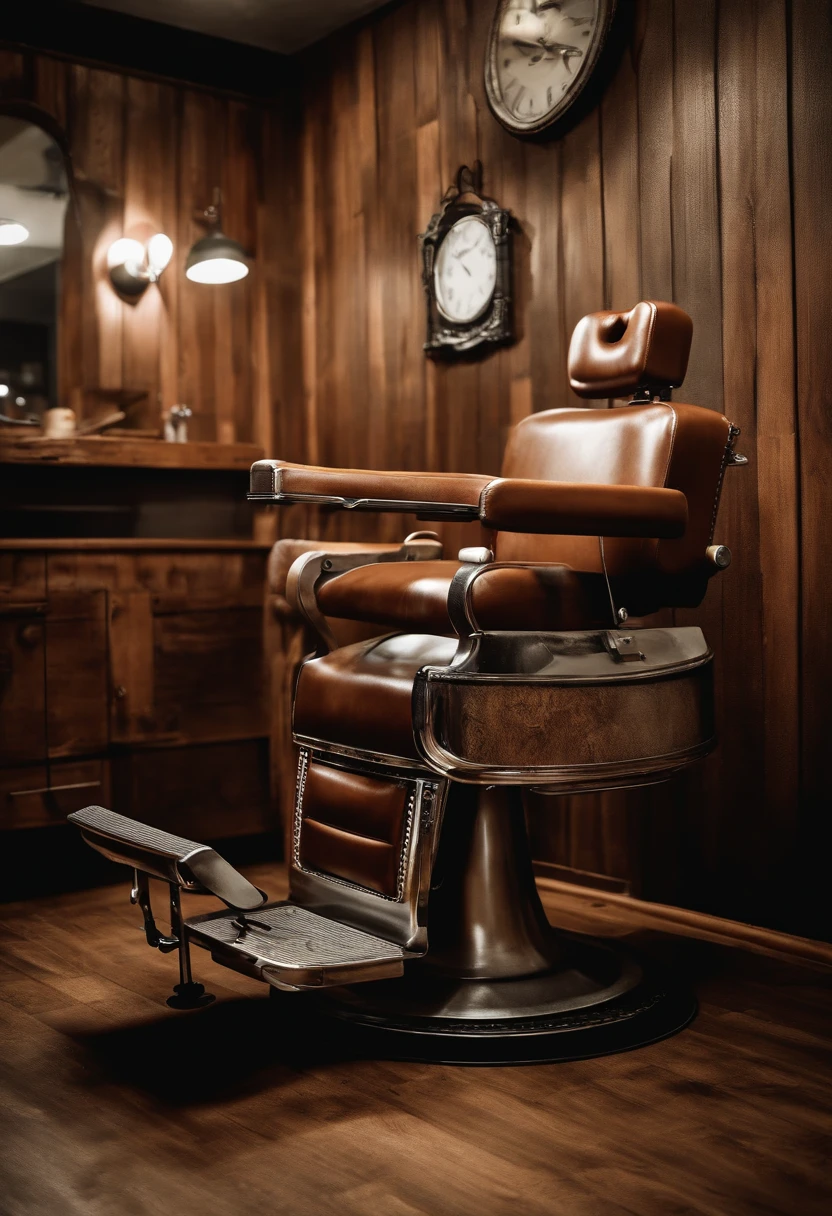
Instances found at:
x=126 y=543
x=104 y=450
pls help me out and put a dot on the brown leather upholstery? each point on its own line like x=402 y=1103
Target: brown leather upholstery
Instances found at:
x=633 y=490
x=285 y=553
x=553 y=466
x=459 y=489
x=680 y=447
x=359 y=696
x=352 y=826
x=516 y=505
x=614 y=354
x=414 y=596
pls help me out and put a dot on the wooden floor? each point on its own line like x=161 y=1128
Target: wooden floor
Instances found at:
x=113 y=1104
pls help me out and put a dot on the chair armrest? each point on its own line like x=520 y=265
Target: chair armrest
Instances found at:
x=574 y=509
x=428 y=495
x=286 y=551
x=311 y=569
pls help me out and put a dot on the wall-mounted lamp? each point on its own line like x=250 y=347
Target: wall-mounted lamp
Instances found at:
x=216 y=258
x=133 y=265
x=13 y=233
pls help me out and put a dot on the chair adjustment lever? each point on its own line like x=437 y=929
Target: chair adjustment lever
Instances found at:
x=623 y=647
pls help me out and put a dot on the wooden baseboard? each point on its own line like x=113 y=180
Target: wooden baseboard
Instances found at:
x=639 y=914
x=580 y=878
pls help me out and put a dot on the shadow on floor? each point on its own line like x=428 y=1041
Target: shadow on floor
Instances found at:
x=232 y=1048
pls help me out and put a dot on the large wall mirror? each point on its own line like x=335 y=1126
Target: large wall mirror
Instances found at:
x=34 y=199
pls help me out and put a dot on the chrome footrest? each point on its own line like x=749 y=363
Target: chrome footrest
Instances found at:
x=290 y=947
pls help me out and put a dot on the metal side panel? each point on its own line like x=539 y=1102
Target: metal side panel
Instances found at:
x=291 y=947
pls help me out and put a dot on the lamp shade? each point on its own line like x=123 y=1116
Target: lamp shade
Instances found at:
x=216 y=259
x=13 y=233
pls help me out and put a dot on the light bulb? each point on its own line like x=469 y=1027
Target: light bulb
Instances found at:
x=12 y=233
x=127 y=253
x=4 y=390
x=159 y=253
x=217 y=270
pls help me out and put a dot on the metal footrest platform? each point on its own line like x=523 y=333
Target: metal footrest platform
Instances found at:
x=290 y=948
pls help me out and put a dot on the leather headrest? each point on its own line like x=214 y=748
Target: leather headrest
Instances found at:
x=613 y=354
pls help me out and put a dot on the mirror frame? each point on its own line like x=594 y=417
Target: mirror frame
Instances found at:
x=28 y=111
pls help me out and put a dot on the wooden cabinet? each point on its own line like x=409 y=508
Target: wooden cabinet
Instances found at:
x=22 y=682
x=38 y=796
x=133 y=671
x=186 y=669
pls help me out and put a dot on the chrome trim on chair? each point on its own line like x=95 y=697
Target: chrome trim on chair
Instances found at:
x=582 y=658
x=511 y=657
x=375 y=762
x=422 y=510
x=572 y=778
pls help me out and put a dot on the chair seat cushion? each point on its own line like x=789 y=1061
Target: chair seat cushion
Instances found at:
x=414 y=595
x=360 y=696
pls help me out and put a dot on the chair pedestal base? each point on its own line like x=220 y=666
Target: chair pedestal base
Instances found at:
x=499 y=984
x=600 y=1001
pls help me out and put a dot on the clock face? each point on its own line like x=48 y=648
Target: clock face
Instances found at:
x=541 y=53
x=465 y=272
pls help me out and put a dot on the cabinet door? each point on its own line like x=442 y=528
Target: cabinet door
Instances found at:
x=76 y=673
x=22 y=682
x=209 y=673
x=205 y=792
x=185 y=672
x=130 y=641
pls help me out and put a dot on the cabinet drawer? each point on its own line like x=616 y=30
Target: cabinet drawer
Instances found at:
x=36 y=797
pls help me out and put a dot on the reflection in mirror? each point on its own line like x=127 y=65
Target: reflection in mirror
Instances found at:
x=33 y=200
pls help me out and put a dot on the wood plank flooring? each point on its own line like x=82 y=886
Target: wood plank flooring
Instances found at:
x=111 y=1103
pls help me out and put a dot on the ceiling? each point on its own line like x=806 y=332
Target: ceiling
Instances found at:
x=273 y=25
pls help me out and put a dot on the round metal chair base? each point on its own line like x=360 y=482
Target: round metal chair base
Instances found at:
x=599 y=1000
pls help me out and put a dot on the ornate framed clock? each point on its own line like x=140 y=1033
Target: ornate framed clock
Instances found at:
x=466 y=269
x=541 y=56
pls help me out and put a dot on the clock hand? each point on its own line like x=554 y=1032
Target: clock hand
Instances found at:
x=560 y=48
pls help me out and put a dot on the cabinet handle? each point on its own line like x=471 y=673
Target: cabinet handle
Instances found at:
x=53 y=789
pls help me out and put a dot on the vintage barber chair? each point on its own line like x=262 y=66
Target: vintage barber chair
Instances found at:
x=413 y=908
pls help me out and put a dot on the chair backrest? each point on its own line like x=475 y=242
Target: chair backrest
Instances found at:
x=648 y=442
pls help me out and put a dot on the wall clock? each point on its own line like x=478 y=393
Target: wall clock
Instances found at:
x=466 y=269
x=541 y=56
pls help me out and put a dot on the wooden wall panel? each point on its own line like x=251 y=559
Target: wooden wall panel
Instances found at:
x=704 y=176
x=811 y=114
x=708 y=151
x=147 y=155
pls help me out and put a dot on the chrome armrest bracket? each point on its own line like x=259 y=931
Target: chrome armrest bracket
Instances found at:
x=422 y=510
x=311 y=570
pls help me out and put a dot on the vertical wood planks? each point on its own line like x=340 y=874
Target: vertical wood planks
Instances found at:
x=704 y=168
x=677 y=186
x=811 y=119
x=147 y=156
